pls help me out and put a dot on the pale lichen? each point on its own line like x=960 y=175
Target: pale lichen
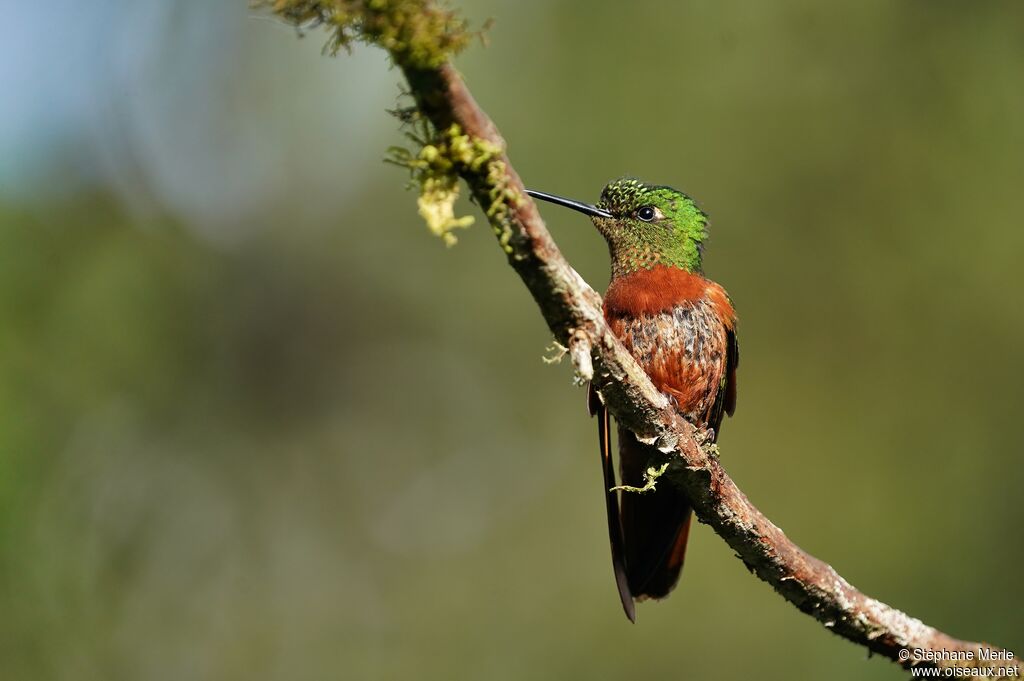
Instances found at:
x=557 y=352
x=651 y=476
x=435 y=169
x=582 y=362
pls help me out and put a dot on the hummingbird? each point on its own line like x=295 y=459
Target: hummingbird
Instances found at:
x=681 y=328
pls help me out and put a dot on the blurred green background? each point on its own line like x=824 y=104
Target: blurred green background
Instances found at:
x=256 y=423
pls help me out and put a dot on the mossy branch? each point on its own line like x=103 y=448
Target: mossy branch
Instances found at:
x=444 y=156
x=416 y=34
x=421 y=36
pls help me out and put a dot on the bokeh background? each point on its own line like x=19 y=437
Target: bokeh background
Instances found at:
x=257 y=423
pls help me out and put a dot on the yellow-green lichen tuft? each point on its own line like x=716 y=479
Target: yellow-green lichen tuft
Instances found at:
x=416 y=33
x=651 y=476
x=501 y=196
x=436 y=204
x=442 y=158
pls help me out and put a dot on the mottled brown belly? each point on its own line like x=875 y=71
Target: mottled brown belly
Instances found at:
x=683 y=350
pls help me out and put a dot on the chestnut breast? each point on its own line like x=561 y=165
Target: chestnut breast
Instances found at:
x=676 y=325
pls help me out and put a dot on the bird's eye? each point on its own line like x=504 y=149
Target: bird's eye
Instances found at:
x=646 y=213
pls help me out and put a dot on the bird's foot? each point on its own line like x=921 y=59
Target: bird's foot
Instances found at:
x=705 y=436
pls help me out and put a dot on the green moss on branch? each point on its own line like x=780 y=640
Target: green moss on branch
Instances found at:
x=420 y=36
x=442 y=157
x=416 y=33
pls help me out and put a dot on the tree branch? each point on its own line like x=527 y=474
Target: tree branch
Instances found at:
x=572 y=310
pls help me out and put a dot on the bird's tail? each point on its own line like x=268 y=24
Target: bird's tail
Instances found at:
x=655 y=525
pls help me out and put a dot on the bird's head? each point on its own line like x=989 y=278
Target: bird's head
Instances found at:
x=645 y=225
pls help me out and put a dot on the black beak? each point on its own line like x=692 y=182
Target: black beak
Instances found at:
x=585 y=208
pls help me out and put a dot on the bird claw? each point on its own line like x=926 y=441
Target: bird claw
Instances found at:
x=705 y=436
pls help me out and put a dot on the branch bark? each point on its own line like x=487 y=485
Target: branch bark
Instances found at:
x=572 y=310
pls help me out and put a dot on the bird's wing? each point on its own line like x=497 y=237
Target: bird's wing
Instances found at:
x=725 y=401
x=732 y=362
